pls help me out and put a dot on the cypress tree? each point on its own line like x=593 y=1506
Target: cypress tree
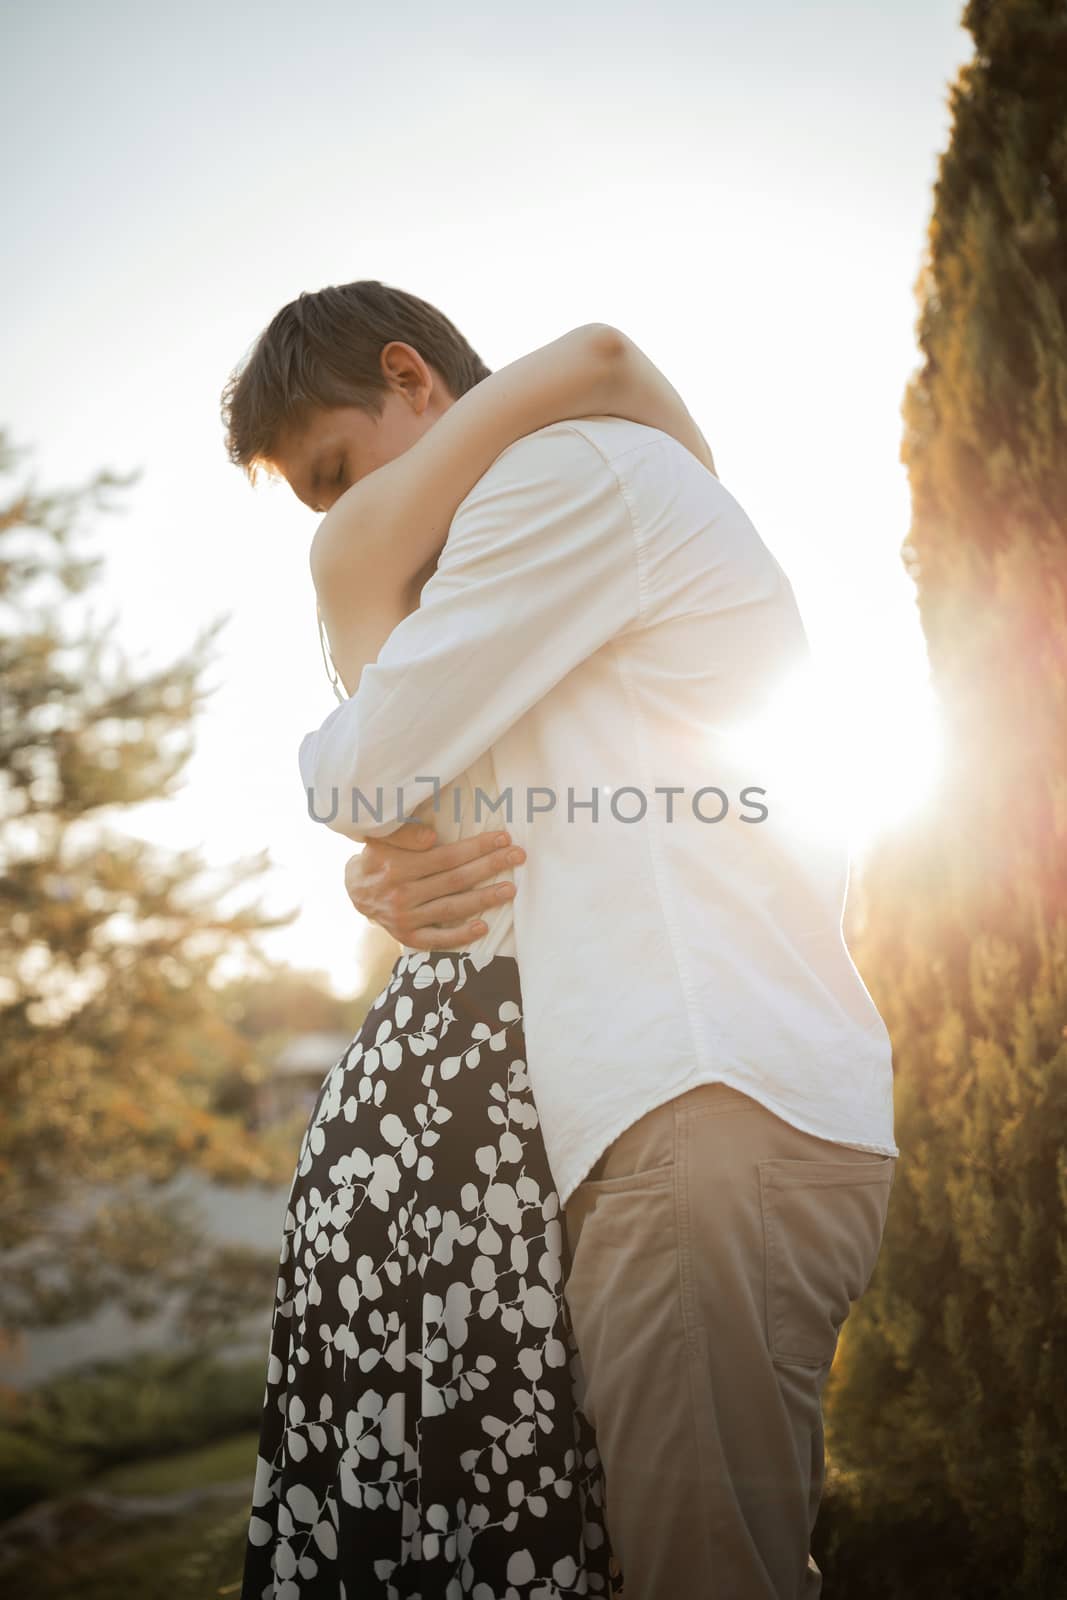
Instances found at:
x=947 y=1407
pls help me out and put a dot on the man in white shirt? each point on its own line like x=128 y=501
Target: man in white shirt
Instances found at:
x=713 y=1080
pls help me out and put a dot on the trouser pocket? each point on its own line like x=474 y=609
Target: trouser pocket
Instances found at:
x=823 y=1221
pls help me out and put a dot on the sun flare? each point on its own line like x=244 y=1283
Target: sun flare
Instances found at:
x=860 y=749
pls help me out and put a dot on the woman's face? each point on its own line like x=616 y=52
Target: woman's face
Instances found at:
x=342 y=444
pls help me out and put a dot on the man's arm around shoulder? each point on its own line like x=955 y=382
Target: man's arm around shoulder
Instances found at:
x=539 y=570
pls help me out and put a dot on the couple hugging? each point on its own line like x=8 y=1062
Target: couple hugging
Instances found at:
x=579 y=1213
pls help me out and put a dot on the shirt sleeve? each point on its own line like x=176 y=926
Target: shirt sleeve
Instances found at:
x=540 y=569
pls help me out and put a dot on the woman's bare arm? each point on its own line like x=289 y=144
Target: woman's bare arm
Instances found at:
x=379 y=542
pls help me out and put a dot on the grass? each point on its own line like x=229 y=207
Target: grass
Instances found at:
x=196 y=1556
x=225 y=1461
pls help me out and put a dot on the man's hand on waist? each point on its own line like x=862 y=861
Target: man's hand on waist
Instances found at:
x=428 y=895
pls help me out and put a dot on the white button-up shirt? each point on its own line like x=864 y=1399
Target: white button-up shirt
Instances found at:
x=606 y=623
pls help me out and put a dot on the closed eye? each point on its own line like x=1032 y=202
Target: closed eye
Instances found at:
x=338 y=480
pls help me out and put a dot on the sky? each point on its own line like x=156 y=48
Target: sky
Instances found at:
x=743 y=190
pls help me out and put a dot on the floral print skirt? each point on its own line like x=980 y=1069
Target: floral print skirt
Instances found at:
x=422 y=1432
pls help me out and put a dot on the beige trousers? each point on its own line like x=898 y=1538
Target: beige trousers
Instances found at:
x=714 y=1253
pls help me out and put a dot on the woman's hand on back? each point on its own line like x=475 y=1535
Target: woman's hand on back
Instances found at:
x=428 y=895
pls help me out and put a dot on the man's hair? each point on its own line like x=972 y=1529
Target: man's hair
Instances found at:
x=323 y=350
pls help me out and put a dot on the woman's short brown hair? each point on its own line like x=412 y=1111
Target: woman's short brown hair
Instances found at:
x=322 y=350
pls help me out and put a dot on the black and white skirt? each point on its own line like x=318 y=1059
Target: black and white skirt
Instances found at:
x=422 y=1432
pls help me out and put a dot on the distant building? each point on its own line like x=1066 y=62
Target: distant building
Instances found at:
x=296 y=1075
x=248 y=1215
